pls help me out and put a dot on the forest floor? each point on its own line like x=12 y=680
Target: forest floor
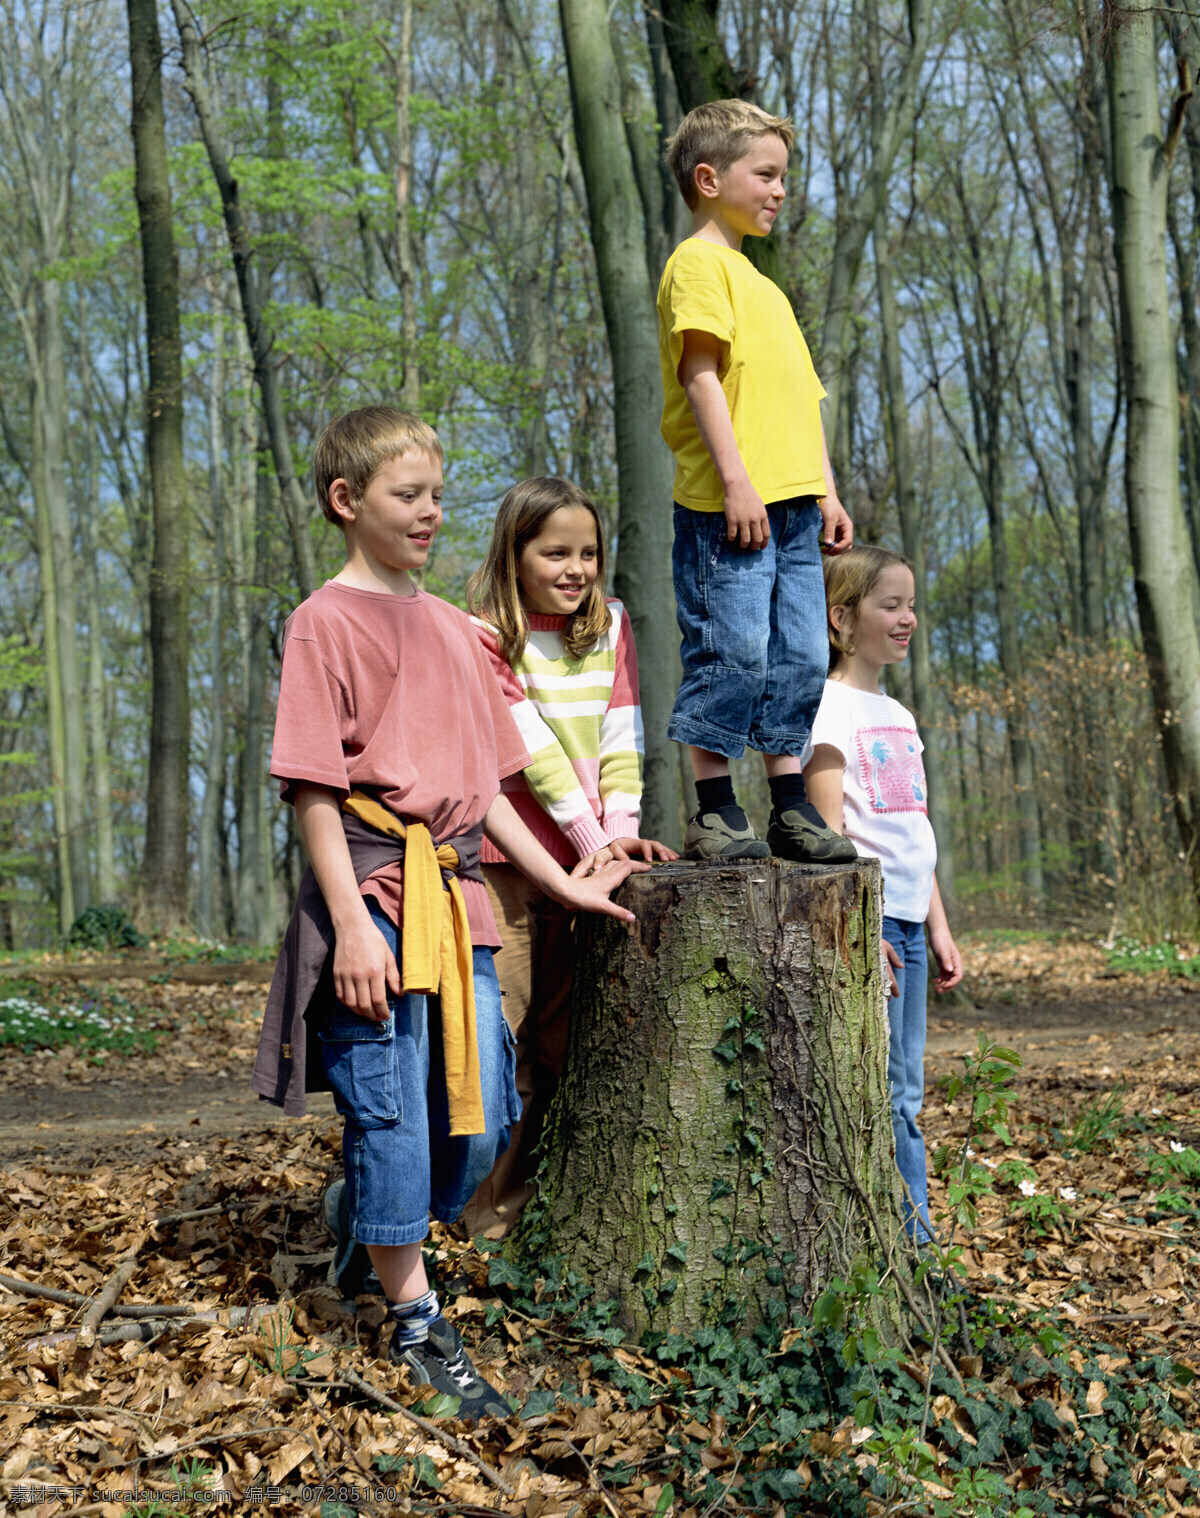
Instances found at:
x=146 y=1115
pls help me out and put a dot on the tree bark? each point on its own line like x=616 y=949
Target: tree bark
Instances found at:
x=723 y=1131
x=1164 y=570
x=165 y=861
x=644 y=475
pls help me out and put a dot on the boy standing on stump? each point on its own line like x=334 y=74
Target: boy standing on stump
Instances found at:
x=754 y=492
x=391 y=738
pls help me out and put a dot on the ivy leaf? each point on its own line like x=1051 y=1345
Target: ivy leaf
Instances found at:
x=678 y=1253
x=720 y=1188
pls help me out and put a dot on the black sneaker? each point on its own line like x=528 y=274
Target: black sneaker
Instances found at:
x=441 y=1362
x=801 y=834
x=351 y=1271
x=723 y=835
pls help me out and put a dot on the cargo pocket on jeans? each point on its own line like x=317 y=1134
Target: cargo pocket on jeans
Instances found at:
x=512 y=1099
x=360 y=1067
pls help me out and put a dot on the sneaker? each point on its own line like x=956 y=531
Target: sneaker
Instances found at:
x=801 y=834
x=351 y=1271
x=441 y=1363
x=719 y=835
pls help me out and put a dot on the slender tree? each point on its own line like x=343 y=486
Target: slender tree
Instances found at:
x=1163 y=566
x=165 y=860
x=644 y=477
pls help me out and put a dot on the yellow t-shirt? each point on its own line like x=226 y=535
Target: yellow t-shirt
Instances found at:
x=770 y=386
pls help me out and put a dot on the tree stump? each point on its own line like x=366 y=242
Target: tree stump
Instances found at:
x=722 y=1135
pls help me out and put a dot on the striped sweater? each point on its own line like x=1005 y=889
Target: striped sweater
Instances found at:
x=582 y=724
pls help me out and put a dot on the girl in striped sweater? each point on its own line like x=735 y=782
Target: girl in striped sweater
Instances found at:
x=565 y=658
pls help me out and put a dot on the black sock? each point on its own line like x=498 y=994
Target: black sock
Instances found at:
x=715 y=794
x=787 y=792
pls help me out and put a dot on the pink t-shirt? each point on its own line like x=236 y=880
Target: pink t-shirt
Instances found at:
x=394 y=693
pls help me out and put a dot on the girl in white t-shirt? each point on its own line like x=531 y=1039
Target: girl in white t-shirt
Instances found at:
x=864 y=774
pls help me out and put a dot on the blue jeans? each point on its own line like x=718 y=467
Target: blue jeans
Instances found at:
x=906 y=1067
x=389 y=1084
x=755 y=641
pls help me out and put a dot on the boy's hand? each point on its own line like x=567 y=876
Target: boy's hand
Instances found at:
x=364 y=970
x=837 y=530
x=591 y=894
x=648 y=849
x=949 y=961
x=746 y=516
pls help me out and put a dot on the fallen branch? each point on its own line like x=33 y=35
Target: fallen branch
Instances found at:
x=78 y=1299
x=150 y=1328
x=85 y=1335
x=464 y=1451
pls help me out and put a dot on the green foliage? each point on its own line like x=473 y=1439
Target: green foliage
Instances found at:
x=1100 y=1120
x=1177 y=1175
x=419 y=1469
x=1138 y=958
x=34 y=1017
x=104 y=926
x=191 y=1479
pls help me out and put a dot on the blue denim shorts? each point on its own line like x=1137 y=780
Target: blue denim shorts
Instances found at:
x=755 y=641
x=389 y=1084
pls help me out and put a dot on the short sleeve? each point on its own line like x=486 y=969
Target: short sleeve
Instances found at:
x=308 y=723
x=833 y=724
x=696 y=299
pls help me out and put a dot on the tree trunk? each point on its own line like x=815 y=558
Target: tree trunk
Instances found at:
x=410 y=392
x=56 y=741
x=723 y=1128
x=895 y=120
x=165 y=861
x=644 y=475
x=106 y=859
x=254 y=848
x=1164 y=570
x=208 y=914
x=66 y=610
x=296 y=508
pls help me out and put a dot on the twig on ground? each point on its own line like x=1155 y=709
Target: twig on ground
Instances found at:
x=594 y=1481
x=464 y=1451
x=150 y=1328
x=78 y=1299
x=85 y=1336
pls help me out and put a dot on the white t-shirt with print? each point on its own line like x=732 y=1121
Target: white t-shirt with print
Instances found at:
x=885 y=808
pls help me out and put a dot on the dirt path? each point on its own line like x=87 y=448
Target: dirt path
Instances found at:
x=1074 y=1025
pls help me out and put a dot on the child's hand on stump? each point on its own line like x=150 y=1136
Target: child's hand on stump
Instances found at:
x=648 y=849
x=591 y=893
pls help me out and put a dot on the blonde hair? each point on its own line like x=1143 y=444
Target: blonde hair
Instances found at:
x=719 y=133
x=494 y=590
x=849 y=578
x=355 y=446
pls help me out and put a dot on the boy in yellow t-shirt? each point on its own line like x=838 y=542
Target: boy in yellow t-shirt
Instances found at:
x=754 y=492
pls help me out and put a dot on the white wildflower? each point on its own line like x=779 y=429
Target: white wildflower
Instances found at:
x=1067 y=1193
x=1028 y=1188
x=991 y=1164
x=1155 y=1111
x=1178 y=1148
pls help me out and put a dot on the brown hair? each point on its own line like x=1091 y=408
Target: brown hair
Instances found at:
x=719 y=133
x=494 y=591
x=849 y=577
x=353 y=448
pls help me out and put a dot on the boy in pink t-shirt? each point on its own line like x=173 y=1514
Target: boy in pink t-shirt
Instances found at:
x=391 y=740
